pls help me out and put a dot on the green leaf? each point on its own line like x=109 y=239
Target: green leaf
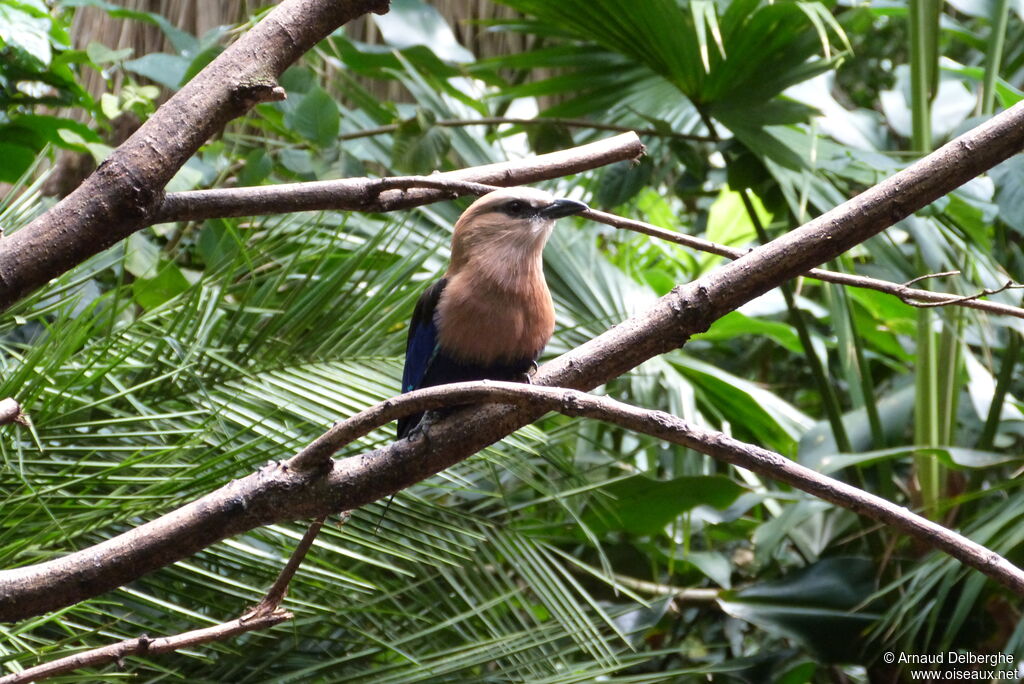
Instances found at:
x=714 y=565
x=820 y=606
x=298 y=79
x=109 y=105
x=142 y=256
x=316 y=117
x=258 y=166
x=729 y=223
x=548 y=136
x=168 y=283
x=659 y=280
x=621 y=182
x=299 y=162
x=735 y=324
x=101 y=54
x=22 y=31
x=219 y=242
x=16 y=159
x=644 y=506
x=419 y=146
x=167 y=70
x=753 y=411
x=413 y=22
x=189 y=176
x=1009 y=180
x=35 y=130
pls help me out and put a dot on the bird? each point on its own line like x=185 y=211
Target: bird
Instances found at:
x=490 y=315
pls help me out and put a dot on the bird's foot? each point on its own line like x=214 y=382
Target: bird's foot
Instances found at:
x=528 y=375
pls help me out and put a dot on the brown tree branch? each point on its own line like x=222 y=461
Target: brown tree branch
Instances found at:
x=540 y=120
x=910 y=296
x=390 y=194
x=280 y=492
x=539 y=400
x=266 y=614
x=120 y=197
x=671 y=429
x=145 y=645
x=272 y=600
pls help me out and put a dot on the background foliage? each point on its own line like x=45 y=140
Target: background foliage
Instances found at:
x=193 y=353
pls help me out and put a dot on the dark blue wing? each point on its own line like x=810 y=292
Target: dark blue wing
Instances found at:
x=421 y=347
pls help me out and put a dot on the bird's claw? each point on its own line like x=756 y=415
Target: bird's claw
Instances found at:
x=528 y=375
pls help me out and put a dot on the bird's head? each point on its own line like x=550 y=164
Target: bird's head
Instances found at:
x=509 y=225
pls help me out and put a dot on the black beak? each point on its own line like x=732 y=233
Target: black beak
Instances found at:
x=562 y=207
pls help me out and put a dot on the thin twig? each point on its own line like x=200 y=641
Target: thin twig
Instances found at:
x=926 y=276
x=272 y=600
x=267 y=613
x=145 y=645
x=681 y=594
x=1009 y=285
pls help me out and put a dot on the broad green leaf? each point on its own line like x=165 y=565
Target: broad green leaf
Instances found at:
x=546 y=137
x=299 y=162
x=167 y=70
x=161 y=288
x=316 y=117
x=735 y=324
x=622 y=181
x=258 y=166
x=142 y=256
x=16 y=160
x=414 y=22
x=22 y=31
x=419 y=145
x=1009 y=181
x=729 y=223
x=820 y=606
x=641 y=505
x=101 y=54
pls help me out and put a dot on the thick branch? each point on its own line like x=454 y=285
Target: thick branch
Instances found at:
x=279 y=492
x=671 y=429
x=294 y=475
x=389 y=194
x=121 y=196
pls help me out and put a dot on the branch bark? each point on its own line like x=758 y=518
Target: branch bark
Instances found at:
x=282 y=492
x=390 y=194
x=121 y=196
x=909 y=295
x=671 y=429
x=266 y=614
x=293 y=478
x=145 y=645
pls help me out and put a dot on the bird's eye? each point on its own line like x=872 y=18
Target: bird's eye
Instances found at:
x=515 y=207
